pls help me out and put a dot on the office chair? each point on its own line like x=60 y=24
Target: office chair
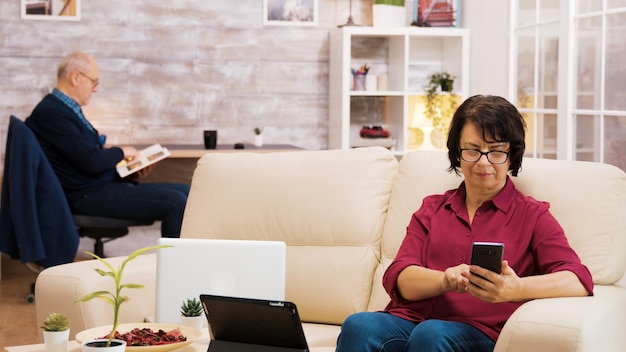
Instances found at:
x=33 y=202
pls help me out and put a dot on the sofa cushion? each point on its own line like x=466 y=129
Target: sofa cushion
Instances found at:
x=327 y=206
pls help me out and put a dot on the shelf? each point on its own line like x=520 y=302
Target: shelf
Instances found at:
x=402 y=58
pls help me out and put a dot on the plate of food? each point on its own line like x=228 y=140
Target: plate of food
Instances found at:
x=146 y=337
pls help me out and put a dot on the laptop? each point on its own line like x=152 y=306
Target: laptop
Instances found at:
x=238 y=268
x=253 y=325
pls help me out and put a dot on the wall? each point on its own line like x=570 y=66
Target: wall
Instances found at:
x=488 y=21
x=169 y=69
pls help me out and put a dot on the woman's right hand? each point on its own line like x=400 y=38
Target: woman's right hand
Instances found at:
x=453 y=280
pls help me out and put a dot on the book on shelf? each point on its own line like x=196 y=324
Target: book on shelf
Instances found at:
x=145 y=157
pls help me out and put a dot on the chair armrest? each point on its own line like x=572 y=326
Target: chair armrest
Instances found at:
x=568 y=324
x=58 y=287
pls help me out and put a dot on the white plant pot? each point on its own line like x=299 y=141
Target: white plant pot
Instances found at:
x=116 y=346
x=56 y=341
x=388 y=15
x=193 y=322
x=258 y=140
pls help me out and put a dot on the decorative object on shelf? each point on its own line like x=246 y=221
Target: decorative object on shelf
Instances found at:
x=56 y=332
x=350 y=20
x=388 y=13
x=441 y=101
x=115 y=299
x=374 y=132
x=290 y=13
x=359 y=77
x=258 y=136
x=68 y=10
x=192 y=313
x=436 y=13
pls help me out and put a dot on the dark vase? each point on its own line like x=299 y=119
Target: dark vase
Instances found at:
x=103 y=343
x=446 y=85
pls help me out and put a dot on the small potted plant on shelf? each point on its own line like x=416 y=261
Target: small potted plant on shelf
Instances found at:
x=115 y=299
x=441 y=101
x=258 y=136
x=388 y=13
x=192 y=313
x=56 y=332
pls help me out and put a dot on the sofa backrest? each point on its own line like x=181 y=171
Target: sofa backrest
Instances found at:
x=588 y=199
x=329 y=208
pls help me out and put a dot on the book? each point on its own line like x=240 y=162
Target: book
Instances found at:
x=146 y=157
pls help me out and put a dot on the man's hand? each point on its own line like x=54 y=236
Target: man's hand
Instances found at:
x=492 y=287
x=129 y=152
x=145 y=171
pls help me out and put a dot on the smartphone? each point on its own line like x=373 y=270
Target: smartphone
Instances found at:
x=488 y=255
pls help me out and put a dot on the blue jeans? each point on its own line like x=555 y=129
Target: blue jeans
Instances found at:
x=383 y=332
x=163 y=202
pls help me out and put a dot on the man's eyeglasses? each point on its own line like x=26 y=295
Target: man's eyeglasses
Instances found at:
x=94 y=81
x=494 y=156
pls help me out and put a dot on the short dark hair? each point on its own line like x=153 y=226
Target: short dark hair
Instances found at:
x=495 y=116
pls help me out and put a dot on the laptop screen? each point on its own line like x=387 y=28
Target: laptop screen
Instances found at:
x=238 y=268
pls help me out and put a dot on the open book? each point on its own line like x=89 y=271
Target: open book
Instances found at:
x=145 y=157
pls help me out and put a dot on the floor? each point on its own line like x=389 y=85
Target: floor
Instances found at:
x=18 y=325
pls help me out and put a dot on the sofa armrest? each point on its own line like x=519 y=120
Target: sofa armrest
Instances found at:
x=58 y=287
x=568 y=324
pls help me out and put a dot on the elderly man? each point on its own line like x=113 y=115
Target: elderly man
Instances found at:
x=86 y=167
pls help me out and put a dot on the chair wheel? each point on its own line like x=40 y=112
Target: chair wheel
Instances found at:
x=30 y=298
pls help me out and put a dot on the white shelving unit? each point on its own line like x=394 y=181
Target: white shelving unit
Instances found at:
x=405 y=58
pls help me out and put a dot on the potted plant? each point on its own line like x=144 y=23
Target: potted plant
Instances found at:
x=441 y=101
x=56 y=332
x=115 y=299
x=258 y=136
x=192 y=313
x=388 y=13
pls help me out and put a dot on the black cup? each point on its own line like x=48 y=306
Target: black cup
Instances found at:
x=210 y=139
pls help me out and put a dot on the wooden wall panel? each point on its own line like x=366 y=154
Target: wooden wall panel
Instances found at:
x=169 y=69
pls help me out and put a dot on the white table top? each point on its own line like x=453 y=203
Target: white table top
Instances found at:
x=200 y=345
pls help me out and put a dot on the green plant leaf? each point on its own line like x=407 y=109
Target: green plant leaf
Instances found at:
x=141 y=251
x=104 y=273
x=92 y=295
x=390 y=2
x=133 y=286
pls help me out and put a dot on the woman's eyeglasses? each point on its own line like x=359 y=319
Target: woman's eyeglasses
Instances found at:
x=494 y=156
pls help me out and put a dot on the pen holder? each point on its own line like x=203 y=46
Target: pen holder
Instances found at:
x=359 y=82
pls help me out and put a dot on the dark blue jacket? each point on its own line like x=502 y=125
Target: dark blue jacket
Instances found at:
x=35 y=220
x=74 y=152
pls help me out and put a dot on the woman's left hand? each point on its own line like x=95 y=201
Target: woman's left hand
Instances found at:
x=489 y=286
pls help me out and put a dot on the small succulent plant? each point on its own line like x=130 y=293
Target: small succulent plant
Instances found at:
x=258 y=130
x=191 y=308
x=55 y=322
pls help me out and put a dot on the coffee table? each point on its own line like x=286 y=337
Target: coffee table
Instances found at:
x=200 y=345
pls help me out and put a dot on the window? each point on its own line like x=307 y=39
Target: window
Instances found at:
x=571 y=78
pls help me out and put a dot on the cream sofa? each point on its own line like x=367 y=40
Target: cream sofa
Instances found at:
x=343 y=215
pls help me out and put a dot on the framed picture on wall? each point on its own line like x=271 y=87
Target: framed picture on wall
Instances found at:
x=290 y=12
x=437 y=13
x=54 y=10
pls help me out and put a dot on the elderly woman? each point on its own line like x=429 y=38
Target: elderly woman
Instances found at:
x=438 y=301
